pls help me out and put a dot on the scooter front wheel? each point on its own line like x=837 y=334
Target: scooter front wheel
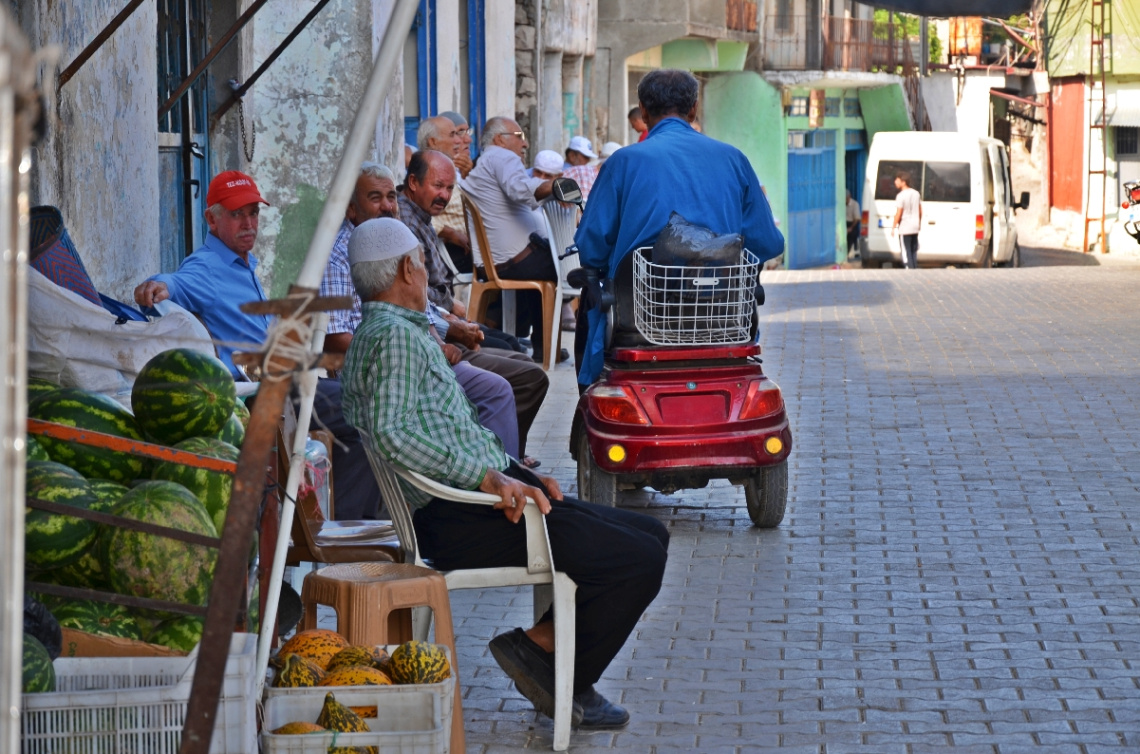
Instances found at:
x=595 y=485
x=766 y=494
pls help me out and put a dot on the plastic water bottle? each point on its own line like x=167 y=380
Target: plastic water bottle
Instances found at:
x=317 y=468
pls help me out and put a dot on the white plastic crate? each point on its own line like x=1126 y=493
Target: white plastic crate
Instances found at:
x=409 y=722
x=411 y=718
x=113 y=705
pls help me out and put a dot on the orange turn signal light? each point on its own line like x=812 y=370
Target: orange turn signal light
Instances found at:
x=762 y=399
x=617 y=404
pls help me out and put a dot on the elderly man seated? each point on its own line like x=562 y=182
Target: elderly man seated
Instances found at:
x=215 y=281
x=506 y=197
x=441 y=134
x=401 y=394
x=578 y=167
x=426 y=190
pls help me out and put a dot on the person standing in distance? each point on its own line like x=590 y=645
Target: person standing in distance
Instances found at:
x=908 y=219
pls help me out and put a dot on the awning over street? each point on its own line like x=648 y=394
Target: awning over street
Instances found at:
x=948 y=8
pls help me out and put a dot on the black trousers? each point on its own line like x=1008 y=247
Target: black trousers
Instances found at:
x=355 y=492
x=910 y=251
x=537 y=264
x=616 y=557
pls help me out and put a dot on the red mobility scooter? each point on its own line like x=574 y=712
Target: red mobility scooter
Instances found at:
x=682 y=398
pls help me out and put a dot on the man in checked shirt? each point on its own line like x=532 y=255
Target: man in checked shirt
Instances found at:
x=401 y=394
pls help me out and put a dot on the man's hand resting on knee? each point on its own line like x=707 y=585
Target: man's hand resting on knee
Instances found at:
x=512 y=494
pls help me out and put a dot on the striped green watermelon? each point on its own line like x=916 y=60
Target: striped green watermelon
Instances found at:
x=233 y=432
x=35 y=451
x=211 y=487
x=87 y=572
x=88 y=410
x=147 y=565
x=182 y=393
x=52 y=541
x=39 y=673
x=98 y=618
x=38 y=387
x=241 y=411
x=181 y=633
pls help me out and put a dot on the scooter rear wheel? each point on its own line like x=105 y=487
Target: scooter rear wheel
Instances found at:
x=766 y=494
x=595 y=485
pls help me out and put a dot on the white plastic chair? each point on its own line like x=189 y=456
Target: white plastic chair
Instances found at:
x=549 y=585
x=561 y=225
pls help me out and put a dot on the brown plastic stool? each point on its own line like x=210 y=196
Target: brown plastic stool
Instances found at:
x=373 y=604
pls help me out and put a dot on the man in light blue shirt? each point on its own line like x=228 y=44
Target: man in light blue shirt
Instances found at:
x=214 y=282
x=677 y=169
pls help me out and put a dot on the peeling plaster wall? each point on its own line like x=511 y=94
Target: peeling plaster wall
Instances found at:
x=99 y=163
x=499 y=31
x=303 y=108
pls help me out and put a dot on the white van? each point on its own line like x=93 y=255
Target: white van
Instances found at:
x=967 y=199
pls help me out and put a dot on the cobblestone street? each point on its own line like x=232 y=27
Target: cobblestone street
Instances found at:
x=959 y=562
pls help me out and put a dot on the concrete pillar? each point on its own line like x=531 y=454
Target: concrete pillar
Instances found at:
x=550 y=106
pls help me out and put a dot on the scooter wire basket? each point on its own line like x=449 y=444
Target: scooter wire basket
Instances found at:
x=694 y=305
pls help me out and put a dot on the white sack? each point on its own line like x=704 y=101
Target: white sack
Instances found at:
x=74 y=343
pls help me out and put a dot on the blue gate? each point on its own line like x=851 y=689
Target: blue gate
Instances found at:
x=811 y=207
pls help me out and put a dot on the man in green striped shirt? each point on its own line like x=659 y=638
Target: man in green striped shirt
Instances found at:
x=400 y=392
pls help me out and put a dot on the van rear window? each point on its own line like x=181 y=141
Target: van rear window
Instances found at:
x=936 y=181
x=946 y=182
x=888 y=169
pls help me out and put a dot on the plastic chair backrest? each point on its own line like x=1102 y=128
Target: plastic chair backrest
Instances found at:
x=478 y=235
x=562 y=224
x=398 y=508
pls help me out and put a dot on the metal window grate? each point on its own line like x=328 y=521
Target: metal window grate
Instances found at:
x=177 y=21
x=696 y=306
x=831 y=107
x=851 y=107
x=1127 y=140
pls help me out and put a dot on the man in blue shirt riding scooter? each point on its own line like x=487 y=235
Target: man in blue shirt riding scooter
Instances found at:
x=675 y=168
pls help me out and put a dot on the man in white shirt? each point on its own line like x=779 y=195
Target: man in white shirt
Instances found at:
x=507 y=197
x=908 y=218
x=852 y=223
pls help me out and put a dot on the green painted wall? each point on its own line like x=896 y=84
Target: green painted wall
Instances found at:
x=1067 y=36
x=743 y=110
x=298 y=223
x=884 y=109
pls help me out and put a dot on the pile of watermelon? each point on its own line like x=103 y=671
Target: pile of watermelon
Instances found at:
x=182 y=398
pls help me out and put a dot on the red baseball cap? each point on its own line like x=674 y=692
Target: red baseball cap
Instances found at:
x=233 y=190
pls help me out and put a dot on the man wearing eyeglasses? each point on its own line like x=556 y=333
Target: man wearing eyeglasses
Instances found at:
x=440 y=134
x=507 y=197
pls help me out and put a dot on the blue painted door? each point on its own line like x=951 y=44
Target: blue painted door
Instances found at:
x=811 y=207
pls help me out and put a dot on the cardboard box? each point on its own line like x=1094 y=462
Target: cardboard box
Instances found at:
x=83 y=644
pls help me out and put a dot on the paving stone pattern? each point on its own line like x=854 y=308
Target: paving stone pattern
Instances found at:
x=959 y=566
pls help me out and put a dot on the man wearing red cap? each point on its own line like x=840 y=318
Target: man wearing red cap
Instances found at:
x=215 y=281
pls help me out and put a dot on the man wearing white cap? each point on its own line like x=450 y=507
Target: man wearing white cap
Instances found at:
x=547 y=165
x=578 y=156
x=401 y=395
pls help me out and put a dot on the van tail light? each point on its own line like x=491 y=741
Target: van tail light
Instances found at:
x=866 y=220
x=762 y=399
x=615 y=403
x=979 y=227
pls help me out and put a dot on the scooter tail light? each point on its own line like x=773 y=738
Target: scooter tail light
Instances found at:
x=618 y=405
x=864 y=227
x=762 y=399
x=979 y=227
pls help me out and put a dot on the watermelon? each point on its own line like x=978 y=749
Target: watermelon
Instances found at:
x=39 y=673
x=181 y=633
x=87 y=572
x=95 y=411
x=241 y=411
x=38 y=387
x=211 y=487
x=233 y=432
x=182 y=393
x=98 y=618
x=148 y=565
x=52 y=541
x=35 y=451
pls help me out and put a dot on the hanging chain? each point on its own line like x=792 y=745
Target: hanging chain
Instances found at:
x=251 y=145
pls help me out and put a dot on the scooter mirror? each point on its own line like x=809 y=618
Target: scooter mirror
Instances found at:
x=566 y=190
